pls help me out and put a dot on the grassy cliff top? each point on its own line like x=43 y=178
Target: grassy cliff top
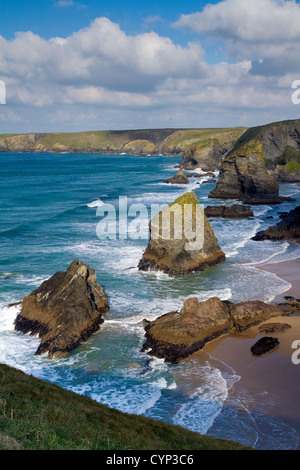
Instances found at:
x=38 y=415
x=157 y=140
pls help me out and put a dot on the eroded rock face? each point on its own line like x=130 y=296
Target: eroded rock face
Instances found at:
x=64 y=311
x=245 y=177
x=176 y=335
x=180 y=253
x=229 y=212
x=288 y=228
x=207 y=156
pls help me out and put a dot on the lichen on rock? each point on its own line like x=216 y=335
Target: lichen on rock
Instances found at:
x=181 y=239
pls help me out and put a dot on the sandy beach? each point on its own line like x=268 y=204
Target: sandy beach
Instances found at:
x=270 y=383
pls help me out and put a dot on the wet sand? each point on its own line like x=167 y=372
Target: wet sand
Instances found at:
x=270 y=383
x=290 y=272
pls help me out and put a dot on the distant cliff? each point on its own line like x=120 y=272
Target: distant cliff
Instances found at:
x=194 y=145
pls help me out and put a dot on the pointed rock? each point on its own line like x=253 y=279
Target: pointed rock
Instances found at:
x=179 y=178
x=64 y=311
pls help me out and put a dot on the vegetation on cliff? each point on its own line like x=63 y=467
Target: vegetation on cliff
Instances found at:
x=36 y=415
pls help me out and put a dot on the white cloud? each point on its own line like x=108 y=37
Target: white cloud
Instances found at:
x=267 y=31
x=102 y=73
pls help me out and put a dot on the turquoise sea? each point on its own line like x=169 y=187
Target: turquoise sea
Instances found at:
x=49 y=217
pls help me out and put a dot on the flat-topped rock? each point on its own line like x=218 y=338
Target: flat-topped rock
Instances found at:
x=236 y=211
x=177 y=248
x=64 y=311
x=176 y=335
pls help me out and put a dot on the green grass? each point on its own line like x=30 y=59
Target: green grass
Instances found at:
x=291 y=166
x=205 y=135
x=37 y=415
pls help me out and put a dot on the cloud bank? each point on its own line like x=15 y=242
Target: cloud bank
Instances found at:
x=101 y=77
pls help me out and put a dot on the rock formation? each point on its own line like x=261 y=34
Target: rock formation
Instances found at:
x=181 y=239
x=287 y=229
x=243 y=176
x=207 y=156
x=274 y=327
x=179 y=178
x=64 y=311
x=264 y=345
x=176 y=335
x=236 y=211
x=260 y=157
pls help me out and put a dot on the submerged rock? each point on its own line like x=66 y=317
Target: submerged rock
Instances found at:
x=179 y=178
x=264 y=345
x=176 y=335
x=287 y=229
x=64 y=311
x=179 y=245
x=229 y=212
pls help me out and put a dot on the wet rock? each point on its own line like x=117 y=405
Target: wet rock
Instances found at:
x=229 y=212
x=64 y=311
x=264 y=345
x=176 y=335
x=287 y=229
x=179 y=178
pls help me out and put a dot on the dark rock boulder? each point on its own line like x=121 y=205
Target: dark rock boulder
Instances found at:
x=264 y=345
x=286 y=229
x=229 y=212
x=64 y=311
x=179 y=178
x=173 y=248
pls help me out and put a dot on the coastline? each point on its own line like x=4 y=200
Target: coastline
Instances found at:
x=269 y=384
x=288 y=271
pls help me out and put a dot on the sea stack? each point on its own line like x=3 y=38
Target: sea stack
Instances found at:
x=244 y=176
x=64 y=311
x=181 y=239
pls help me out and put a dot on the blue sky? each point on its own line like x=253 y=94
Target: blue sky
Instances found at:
x=80 y=65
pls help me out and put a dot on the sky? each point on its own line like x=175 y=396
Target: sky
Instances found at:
x=71 y=65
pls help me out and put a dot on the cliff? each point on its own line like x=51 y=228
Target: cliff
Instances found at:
x=37 y=415
x=260 y=157
x=192 y=144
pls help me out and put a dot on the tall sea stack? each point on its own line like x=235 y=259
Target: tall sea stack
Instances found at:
x=181 y=239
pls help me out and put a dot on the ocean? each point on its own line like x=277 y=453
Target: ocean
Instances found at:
x=49 y=218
